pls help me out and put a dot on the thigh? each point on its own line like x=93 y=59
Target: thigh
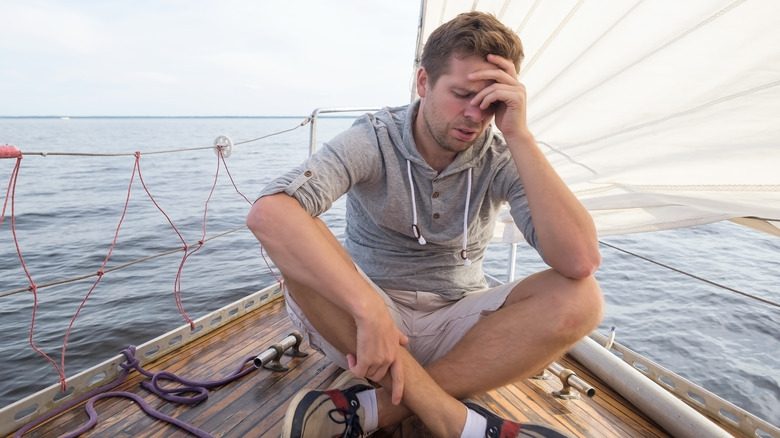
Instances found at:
x=435 y=333
x=316 y=340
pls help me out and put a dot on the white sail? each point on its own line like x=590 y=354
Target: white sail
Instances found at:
x=658 y=113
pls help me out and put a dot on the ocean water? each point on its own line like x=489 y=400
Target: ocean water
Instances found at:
x=67 y=209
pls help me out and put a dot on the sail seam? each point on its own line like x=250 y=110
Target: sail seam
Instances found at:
x=642 y=58
x=552 y=37
x=677 y=114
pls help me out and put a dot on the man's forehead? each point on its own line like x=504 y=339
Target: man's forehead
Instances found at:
x=456 y=75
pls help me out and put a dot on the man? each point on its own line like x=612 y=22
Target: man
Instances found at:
x=404 y=303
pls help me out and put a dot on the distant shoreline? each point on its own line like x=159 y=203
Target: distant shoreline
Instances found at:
x=168 y=117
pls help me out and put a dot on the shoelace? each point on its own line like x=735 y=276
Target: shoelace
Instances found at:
x=351 y=421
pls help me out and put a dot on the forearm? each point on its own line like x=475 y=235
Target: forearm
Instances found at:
x=303 y=253
x=564 y=227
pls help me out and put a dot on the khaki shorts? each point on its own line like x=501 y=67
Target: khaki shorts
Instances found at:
x=433 y=324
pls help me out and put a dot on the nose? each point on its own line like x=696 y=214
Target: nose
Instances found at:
x=474 y=113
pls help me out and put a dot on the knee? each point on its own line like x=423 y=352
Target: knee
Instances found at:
x=260 y=217
x=581 y=308
x=568 y=309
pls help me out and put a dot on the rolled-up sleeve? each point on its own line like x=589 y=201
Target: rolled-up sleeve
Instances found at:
x=341 y=163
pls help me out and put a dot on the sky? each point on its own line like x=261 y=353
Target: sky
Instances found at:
x=203 y=57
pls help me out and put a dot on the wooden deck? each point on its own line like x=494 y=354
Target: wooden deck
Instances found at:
x=254 y=405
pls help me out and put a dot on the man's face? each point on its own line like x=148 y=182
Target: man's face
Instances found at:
x=448 y=115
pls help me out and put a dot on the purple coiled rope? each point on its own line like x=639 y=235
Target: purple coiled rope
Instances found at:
x=171 y=394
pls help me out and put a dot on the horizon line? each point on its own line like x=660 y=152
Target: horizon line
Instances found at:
x=145 y=117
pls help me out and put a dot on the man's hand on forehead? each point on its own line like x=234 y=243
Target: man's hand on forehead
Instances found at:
x=503 y=74
x=506 y=94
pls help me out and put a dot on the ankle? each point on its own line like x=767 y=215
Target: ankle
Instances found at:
x=390 y=414
x=476 y=425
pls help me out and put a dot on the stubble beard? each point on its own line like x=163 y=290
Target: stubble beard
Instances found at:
x=442 y=136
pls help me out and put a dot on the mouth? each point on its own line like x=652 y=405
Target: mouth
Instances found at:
x=465 y=134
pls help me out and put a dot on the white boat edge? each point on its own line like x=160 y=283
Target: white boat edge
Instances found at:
x=30 y=408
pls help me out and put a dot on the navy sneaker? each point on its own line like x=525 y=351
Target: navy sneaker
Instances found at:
x=330 y=413
x=498 y=427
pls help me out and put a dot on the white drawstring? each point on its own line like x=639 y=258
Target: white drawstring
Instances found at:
x=463 y=255
x=416 y=228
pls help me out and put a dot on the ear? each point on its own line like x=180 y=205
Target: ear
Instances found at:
x=422 y=81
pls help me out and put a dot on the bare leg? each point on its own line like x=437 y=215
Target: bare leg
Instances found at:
x=542 y=317
x=442 y=414
x=320 y=311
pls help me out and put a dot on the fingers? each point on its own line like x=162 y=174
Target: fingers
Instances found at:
x=498 y=93
x=503 y=63
x=504 y=88
x=362 y=368
x=503 y=73
x=396 y=370
x=352 y=363
x=397 y=375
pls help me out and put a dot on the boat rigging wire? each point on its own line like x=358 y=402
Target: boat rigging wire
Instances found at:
x=696 y=277
x=167 y=151
x=8 y=151
x=118 y=267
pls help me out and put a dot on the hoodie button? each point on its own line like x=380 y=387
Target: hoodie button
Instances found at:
x=436 y=215
x=435 y=195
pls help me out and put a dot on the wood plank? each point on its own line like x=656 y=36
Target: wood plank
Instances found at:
x=255 y=405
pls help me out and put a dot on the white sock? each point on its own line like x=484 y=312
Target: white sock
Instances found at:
x=475 y=425
x=367 y=399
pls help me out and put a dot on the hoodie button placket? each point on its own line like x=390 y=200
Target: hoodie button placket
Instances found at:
x=437 y=203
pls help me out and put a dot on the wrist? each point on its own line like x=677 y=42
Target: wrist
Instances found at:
x=366 y=307
x=522 y=137
x=521 y=142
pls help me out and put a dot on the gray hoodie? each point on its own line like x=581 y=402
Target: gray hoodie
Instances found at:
x=376 y=163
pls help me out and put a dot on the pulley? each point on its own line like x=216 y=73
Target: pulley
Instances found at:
x=223 y=145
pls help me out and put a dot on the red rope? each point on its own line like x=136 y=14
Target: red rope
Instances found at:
x=177 y=282
x=262 y=253
x=100 y=273
x=33 y=287
x=11 y=183
x=8 y=151
x=231 y=177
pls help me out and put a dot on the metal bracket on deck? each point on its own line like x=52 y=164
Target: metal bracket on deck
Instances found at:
x=573 y=386
x=567 y=392
x=274 y=364
x=295 y=350
x=269 y=359
x=543 y=375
